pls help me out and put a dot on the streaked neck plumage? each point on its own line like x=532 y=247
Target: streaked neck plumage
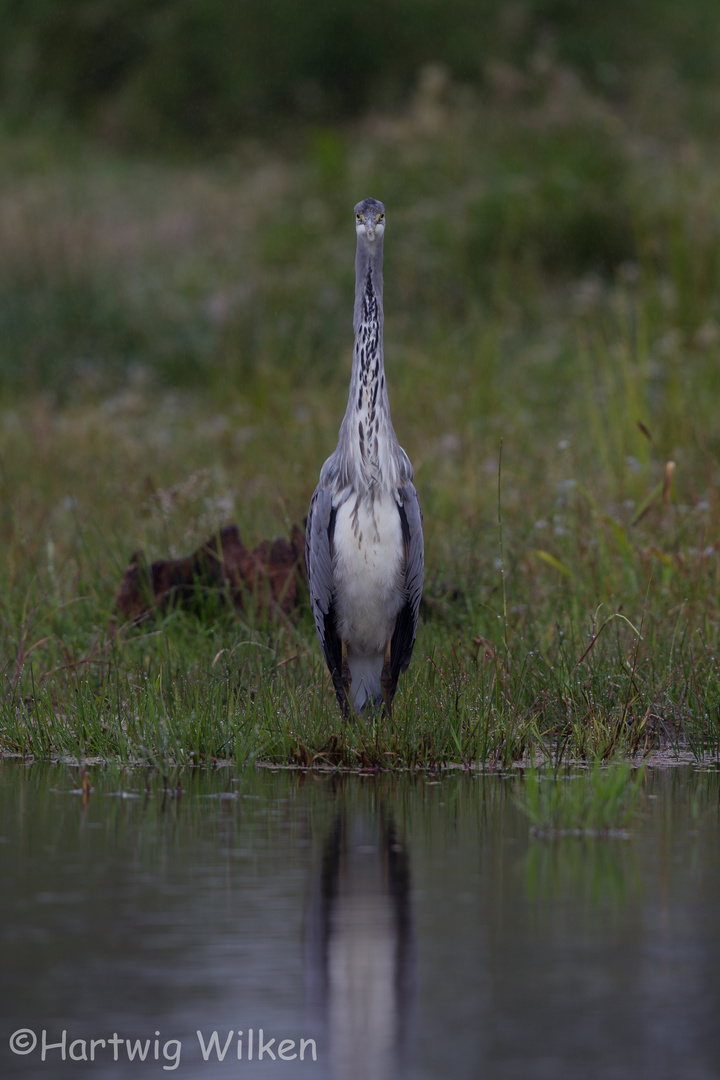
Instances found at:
x=371 y=456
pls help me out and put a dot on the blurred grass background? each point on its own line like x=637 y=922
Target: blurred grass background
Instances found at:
x=176 y=275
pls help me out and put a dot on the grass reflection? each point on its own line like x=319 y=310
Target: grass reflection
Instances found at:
x=589 y=874
x=597 y=803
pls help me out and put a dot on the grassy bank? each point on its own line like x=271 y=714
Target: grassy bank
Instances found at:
x=175 y=350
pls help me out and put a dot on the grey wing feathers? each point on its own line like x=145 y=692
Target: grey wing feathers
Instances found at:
x=318 y=554
x=320 y=530
x=403 y=638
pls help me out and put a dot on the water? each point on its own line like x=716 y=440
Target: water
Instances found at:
x=392 y=927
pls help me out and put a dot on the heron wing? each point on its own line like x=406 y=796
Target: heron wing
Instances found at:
x=319 y=541
x=403 y=639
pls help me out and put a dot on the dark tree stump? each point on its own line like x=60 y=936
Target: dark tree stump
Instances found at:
x=268 y=578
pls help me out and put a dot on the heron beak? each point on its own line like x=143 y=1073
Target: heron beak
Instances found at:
x=370 y=230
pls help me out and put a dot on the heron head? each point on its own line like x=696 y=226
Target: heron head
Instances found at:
x=370 y=219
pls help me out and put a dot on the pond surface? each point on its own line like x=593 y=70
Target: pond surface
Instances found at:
x=372 y=927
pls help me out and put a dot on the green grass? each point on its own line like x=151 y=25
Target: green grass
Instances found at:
x=175 y=342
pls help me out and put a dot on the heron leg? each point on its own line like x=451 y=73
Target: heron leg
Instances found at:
x=386 y=679
x=346 y=679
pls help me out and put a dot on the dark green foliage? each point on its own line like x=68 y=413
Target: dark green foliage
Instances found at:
x=154 y=71
x=558 y=201
x=207 y=68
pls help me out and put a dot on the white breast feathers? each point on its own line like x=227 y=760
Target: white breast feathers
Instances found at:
x=368 y=566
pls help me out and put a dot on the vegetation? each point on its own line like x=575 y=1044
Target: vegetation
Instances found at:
x=143 y=72
x=175 y=345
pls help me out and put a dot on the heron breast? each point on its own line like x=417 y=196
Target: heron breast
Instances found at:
x=368 y=566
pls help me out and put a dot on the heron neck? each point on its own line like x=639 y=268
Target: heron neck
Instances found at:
x=368 y=285
x=368 y=434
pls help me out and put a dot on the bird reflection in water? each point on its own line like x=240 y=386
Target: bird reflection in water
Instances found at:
x=360 y=947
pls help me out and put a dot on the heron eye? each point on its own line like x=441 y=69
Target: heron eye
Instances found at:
x=381 y=217
x=360 y=217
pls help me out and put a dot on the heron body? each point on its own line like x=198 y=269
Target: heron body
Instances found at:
x=364 y=532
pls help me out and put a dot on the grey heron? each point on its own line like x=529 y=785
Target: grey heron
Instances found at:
x=364 y=541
